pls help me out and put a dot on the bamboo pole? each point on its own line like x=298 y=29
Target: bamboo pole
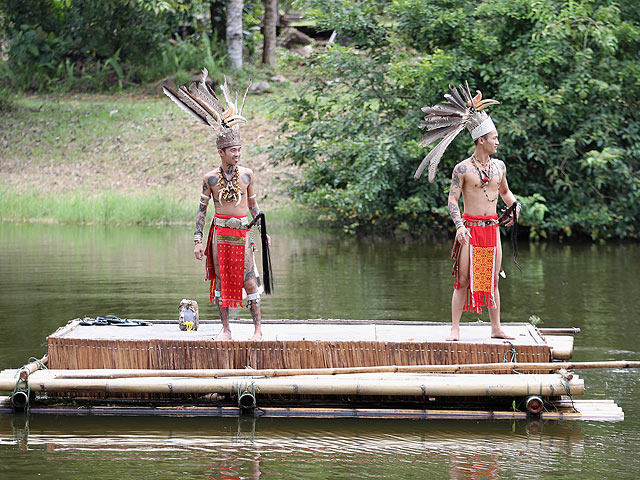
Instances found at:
x=219 y=373
x=432 y=385
x=559 y=331
x=33 y=366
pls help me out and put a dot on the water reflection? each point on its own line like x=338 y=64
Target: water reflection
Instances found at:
x=50 y=274
x=249 y=447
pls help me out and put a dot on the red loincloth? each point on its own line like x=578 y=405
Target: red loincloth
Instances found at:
x=482 y=264
x=231 y=247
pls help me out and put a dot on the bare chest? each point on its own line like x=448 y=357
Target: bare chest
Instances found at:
x=229 y=192
x=478 y=177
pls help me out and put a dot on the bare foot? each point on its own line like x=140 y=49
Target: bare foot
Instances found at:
x=226 y=336
x=256 y=337
x=454 y=336
x=501 y=334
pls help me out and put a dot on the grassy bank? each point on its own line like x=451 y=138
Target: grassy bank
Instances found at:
x=118 y=208
x=130 y=158
x=111 y=207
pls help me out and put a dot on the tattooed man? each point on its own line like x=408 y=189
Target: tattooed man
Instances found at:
x=228 y=249
x=230 y=261
x=480 y=179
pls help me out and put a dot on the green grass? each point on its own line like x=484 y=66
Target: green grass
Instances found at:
x=128 y=158
x=118 y=208
x=101 y=208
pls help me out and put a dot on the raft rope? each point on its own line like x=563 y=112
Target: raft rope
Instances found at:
x=513 y=354
x=567 y=388
x=26 y=389
x=41 y=366
x=247 y=388
x=25 y=381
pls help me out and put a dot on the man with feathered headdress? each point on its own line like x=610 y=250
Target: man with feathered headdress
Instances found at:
x=229 y=253
x=481 y=180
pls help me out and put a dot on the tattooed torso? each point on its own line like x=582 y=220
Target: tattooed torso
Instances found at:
x=245 y=182
x=466 y=182
x=211 y=191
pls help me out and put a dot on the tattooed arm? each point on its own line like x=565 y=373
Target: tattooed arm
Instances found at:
x=249 y=179
x=252 y=203
x=457 y=180
x=201 y=215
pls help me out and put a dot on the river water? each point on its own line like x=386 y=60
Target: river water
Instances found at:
x=50 y=274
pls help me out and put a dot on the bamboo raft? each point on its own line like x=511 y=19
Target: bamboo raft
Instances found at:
x=295 y=345
x=396 y=369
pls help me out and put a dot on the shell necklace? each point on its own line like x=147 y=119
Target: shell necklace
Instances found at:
x=229 y=188
x=485 y=176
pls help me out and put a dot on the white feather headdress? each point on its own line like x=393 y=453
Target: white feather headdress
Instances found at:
x=446 y=120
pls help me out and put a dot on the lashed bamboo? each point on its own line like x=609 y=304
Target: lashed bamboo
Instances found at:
x=70 y=351
x=33 y=366
x=458 y=368
x=583 y=411
x=73 y=353
x=559 y=331
x=561 y=346
x=430 y=385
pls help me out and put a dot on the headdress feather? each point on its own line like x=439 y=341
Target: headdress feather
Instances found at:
x=446 y=120
x=201 y=102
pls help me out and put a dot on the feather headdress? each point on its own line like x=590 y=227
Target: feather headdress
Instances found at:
x=202 y=103
x=446 y=120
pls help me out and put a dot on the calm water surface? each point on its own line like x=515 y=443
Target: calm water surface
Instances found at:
x=50 y=274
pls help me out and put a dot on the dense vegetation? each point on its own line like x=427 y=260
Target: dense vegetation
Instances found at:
x=97 y=45
x=567 y=75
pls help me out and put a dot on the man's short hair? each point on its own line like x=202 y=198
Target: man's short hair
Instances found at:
x=482 y=136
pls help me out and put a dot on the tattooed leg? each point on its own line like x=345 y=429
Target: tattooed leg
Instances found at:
x=256 y=316
x=253 y=297
x=224 y=317
x=459 y=294
x=494 y=313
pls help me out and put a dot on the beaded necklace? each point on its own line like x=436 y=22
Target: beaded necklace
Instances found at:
x=229 y=188
x=485 y=177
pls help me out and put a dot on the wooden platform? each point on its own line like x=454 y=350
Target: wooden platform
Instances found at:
x=563 y=409
x=174 y=368
x=290 y=344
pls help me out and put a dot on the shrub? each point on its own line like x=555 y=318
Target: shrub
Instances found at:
x=566 y=74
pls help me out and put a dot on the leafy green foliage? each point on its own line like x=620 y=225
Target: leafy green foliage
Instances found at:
x=99 y=40
x=97 y=45
x=568 y=78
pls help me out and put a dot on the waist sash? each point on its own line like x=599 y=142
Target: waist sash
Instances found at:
x=482 y=262
x=230 y=243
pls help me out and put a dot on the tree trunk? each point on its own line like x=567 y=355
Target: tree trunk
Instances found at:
x=270 y=20
x=218 y=18
x=234 y=32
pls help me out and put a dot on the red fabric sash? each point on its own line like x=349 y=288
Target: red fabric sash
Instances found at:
x=231 y=248
x=482 y=264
